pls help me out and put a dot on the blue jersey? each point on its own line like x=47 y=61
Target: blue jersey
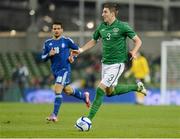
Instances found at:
x=60 y=64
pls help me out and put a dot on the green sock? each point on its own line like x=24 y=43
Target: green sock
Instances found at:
x=122 y=89
x=96 y=103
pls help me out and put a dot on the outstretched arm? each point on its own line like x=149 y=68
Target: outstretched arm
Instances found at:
x=87 y=46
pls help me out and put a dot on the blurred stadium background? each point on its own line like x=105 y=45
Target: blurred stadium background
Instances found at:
x=25 y=24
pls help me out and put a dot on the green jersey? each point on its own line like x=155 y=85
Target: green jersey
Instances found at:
x=114 y=41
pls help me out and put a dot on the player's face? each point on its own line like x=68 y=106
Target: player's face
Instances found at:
x=107 y=15
x=57 y=30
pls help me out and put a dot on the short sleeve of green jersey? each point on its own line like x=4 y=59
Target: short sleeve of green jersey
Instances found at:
x=129 y=31
x=96 y=34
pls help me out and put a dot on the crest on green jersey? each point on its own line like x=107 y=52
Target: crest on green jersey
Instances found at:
x=115 y=30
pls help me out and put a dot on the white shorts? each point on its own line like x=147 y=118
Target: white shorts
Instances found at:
x=111 y=74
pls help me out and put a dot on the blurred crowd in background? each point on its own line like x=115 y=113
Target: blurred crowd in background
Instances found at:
x=85 y=74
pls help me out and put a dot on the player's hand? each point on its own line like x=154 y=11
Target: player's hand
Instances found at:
x=52 y=52
x=129 y=61
x=131 y=55
x=76 y=52
x=71 y=58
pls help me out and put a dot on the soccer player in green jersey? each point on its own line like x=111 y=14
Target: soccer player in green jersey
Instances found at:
x=114 y=56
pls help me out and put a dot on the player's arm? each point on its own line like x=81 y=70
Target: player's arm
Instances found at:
x=91 y=43
x=88 y=45
x=72 y=57
x=73 y=47
x=137 y=44
x=132 y=35
x=47 y=54
x=84 y=48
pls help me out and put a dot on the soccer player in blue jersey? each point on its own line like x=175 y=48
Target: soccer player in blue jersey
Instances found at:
x=57 y=49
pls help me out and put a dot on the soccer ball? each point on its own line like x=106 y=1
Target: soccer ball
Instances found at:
x=83 y=124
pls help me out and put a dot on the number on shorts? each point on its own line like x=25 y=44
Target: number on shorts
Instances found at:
x=59 y=79
x=111 y=77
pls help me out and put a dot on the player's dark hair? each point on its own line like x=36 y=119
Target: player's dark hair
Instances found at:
x=57 y=23
x=113 y=7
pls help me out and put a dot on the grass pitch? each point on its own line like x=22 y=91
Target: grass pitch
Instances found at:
x=112 y=121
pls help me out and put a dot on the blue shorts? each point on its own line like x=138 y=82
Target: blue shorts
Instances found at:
x=62 y=77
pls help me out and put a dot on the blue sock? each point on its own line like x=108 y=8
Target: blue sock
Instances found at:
x=78 y=94
x=57 y=103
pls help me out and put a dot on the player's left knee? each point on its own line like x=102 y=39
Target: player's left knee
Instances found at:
x=68 y=90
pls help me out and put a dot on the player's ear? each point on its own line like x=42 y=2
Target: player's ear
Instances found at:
x=62 y=29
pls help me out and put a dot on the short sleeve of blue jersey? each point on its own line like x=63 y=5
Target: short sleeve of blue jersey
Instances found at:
x=71 y=44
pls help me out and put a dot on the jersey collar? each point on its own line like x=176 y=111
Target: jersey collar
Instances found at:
x=112 y=23
x=57 y=38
